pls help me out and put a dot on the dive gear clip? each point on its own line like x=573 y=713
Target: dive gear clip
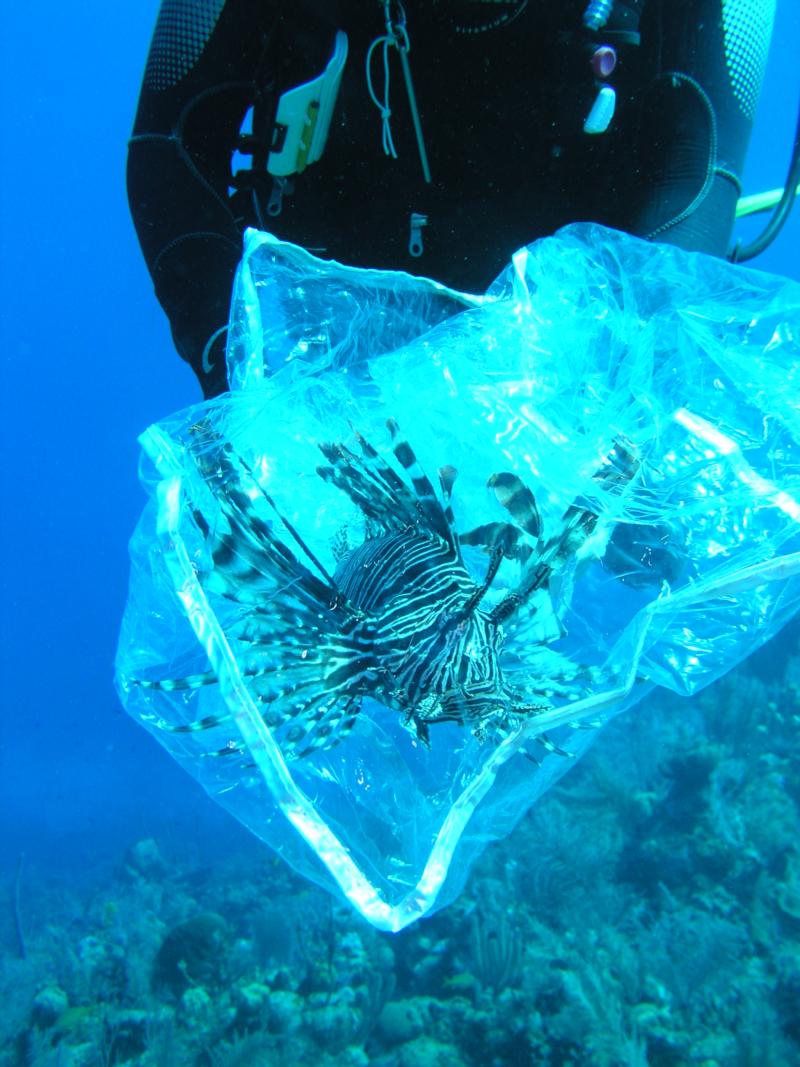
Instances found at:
x=303 y=117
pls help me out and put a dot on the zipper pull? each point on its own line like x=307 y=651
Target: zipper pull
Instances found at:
x=415 y=245
x=280 y=187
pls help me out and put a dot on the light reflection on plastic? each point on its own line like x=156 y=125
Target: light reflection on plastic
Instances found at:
x=743 y=471
x=548 y=429
x=169 y=498
x=261 y=468
x=509 y=431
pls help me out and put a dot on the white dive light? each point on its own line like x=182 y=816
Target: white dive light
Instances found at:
x=304 y=117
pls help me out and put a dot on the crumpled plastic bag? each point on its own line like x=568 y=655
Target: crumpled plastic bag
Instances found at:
x=381 y=585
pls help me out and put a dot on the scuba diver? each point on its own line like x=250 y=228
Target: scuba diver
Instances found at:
x=432 y=136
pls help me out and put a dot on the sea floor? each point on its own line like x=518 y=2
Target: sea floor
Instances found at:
x=646 y=911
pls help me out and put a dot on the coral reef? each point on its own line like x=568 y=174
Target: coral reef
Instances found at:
x=646 y=912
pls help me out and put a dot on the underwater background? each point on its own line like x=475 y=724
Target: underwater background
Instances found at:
x=646 y=910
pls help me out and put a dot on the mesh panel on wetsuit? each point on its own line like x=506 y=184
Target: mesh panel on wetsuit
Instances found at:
x=181 y=32
x=748 y=28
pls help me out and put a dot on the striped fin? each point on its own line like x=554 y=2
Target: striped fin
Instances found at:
x=251 y=567
x=383 y=496
x=172 y=685
x=551 y=746
x=251 y=561
x=620 y=465
x=245 y=494
x=233 y=482
x=381 y=471
x=240 y=493
x=518 y=500
x=577 y=524
x=537 y=578
x=548 y=746
x=428 y=502
x=378 y=492
x=302 y=647
x=328 y=727
x=447 y=477
x=501 y=535
x=309 y=701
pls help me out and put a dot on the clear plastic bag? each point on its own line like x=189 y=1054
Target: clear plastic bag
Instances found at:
x=378 y=665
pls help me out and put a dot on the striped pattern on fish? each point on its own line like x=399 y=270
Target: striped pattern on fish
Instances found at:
x=400 y=620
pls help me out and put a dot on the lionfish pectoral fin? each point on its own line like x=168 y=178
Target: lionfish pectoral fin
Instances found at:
x=304 y=674
x=232 y=748
x=312 y=695
x=550 y=746
x=329 y=724
x=208 y=722
x=501 y=535
x=518 y=500
x=253 y=538
x=170 y=685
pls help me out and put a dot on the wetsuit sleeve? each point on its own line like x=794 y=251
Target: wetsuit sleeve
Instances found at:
x=203 y=63
x=696 y=117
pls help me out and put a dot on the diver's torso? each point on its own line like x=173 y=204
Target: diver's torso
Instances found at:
x=501 y=108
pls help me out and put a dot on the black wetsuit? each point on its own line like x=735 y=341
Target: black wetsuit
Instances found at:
x=502 y=108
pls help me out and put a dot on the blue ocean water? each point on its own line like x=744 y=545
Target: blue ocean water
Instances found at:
x=89 y=363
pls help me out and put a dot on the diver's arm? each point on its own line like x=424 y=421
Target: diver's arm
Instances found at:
x=696 y=120
x=198 y=84
x=210 y=61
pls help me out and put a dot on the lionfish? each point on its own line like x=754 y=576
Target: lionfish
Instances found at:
x=401 y=619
